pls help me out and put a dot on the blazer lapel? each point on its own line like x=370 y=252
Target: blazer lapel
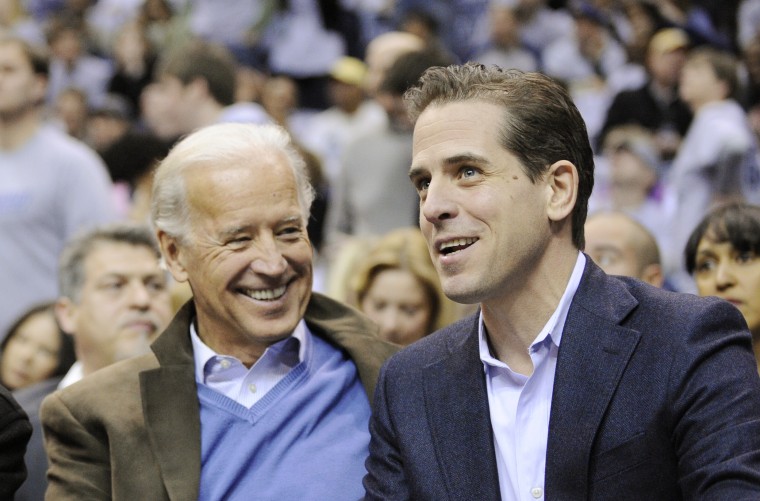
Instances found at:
x=593 y=354
x=457 y=409
x=171 y=410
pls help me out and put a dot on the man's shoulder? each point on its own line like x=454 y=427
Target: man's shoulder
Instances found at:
x=652 y=310
x=345 y=326
x=447 y=342
x=58 y=143
x=108 y=388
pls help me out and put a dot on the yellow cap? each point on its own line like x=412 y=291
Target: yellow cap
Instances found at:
x=349 y=70
x=667 y=40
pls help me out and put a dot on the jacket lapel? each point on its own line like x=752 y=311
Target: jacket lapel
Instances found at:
x=460 y=423
x=345 y=328
x=171 y=409
x=593 y=354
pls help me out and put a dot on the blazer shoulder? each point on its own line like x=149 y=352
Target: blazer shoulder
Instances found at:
x=435 y=347
x=107 y=389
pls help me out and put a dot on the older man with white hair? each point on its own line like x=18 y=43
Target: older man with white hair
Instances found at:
x=256 y=378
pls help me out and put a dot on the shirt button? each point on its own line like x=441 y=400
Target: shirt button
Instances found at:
x=252 y=388
x=537 y=492
x=225 y=363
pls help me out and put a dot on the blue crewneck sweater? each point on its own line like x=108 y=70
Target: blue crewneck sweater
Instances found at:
x=306 y=439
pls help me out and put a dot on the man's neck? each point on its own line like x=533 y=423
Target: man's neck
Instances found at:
x=515 y=319
x=16 y=130
x=698 y=106
x=665 y=94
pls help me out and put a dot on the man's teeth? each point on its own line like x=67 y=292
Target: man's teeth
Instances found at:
x=268 y=294
x=455 y=245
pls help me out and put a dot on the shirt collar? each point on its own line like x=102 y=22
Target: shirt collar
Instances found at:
x=202 y=353
x=553 y=328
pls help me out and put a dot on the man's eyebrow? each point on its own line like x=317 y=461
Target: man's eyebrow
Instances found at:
x=466 y=158
x=231 y=232
x=415 y=172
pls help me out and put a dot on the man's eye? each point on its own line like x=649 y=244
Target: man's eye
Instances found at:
x=291 y=231
x=237 y=241
x=113 y=286
x=469 y=172
x=422 y=184
x=156 y=286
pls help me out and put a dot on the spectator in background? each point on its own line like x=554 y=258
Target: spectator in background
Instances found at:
x=422 y=21
x=195 y=87
x=372 y=195
x=628 y=179
x=351 y=116
x=588 y=62
x=72 y=66
x=717 y=160
x=15 y=20
x=164 y=27
x=505 y=47
x=396 y=286
x=751 y=101
x=34 y=356
x=304 y=40
x=462 y=23
x=70 y=110
x=34 y=350
x=114 y=296
x=620 y=245
x=541 y=25
x=254 y=370
x=383 y=51
x=15 y=431
x=107 y=123
x=134 y=61
x=656 y=105
x=51 y=186
x=281 y=100
x=723 y=255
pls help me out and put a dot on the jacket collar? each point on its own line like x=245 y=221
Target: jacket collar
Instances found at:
x=169 y=393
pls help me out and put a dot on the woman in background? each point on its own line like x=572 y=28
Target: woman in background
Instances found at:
x=34 y=356
x=723 y=256
x=397 y=287
x=34 y=350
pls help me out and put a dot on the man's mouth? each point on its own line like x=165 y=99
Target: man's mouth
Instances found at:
x=266 y=294
x=455 y=245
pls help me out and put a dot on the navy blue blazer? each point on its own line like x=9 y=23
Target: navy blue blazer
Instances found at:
x=656 y=396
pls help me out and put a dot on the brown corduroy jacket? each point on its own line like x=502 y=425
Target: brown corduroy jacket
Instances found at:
x=132 y=430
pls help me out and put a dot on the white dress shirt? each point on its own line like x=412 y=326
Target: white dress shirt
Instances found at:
x=227 y=375
x=519 y=405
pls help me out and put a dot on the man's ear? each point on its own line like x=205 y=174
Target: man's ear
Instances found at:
x=66 y=313
x=562 y=183
x=172 y=254
x=40 y=88
x=652 y=274
x=198 y=87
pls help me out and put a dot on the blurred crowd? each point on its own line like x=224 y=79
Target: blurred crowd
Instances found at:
x=93 y=93
x=669 y=90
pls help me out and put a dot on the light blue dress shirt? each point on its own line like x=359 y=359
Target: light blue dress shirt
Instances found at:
x=227 y=375
x=520 y=405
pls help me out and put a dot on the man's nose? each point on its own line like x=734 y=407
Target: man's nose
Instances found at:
x=268 y=258
x=437 y=204
x=139 y=294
